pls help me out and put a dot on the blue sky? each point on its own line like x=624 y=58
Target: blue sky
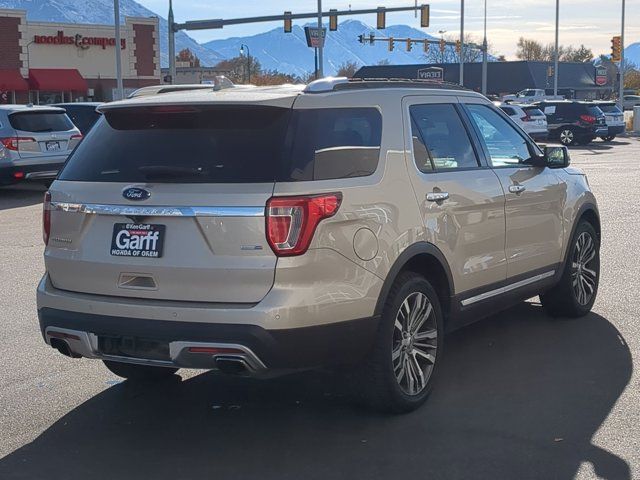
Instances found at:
x=592 y=22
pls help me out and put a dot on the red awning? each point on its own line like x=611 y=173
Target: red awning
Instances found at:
x=11 y=80
x=57 y=80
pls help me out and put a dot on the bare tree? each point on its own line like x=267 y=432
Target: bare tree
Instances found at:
x=237 y=68
x=533 y=50
x=472 y=51
x=528 y=49
x=348 y=69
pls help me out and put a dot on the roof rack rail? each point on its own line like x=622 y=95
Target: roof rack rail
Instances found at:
x=399 y=82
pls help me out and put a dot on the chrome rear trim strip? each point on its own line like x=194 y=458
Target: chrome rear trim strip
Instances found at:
x=49 y=174
x=158 y=211
x=507 y=288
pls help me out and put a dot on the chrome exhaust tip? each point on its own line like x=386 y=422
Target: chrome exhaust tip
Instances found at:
x=63 y=348
x=233 y=366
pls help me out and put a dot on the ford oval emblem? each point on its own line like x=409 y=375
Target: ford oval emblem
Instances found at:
x=135 y=193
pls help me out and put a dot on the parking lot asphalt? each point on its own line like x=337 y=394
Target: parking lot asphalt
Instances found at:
x=520 y=395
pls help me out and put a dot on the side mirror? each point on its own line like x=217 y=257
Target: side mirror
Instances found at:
x=556 y=157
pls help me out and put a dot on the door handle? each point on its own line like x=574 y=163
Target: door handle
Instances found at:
x=517 y=189
x=437 y=196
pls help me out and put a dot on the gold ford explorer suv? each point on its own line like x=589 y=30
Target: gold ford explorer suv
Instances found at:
x=347 y=224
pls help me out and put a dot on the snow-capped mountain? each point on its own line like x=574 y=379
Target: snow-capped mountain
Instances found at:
x=288 y=52
x=101 y=12
x=632 y=54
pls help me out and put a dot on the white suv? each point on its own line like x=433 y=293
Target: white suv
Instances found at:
x=530 y=118
x=347 y=224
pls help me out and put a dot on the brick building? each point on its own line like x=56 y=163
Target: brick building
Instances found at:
x=43 y=62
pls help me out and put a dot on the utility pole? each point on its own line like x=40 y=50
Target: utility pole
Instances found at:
x=621 y=86
x=484 y=52
x=118 y=49
x=556 y=52
x=172 y=46
x=461 y=43
x=321 y=45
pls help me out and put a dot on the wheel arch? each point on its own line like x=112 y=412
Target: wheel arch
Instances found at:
x=426 y=259
x=588 y=212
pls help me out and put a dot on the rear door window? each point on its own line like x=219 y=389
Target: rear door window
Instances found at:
x=332 y=143
x=40 y=122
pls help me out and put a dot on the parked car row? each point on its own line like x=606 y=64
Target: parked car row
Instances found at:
x=36 y=140
x=570 y=122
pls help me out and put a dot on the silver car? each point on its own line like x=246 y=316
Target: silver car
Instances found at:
x=614 y=117
x=34 y=142
x=349 y=224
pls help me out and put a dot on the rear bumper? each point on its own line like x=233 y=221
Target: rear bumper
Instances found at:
x=616 y=129
x=263 y=350
x=13 y=173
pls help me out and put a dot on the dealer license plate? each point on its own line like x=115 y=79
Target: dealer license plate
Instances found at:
x=137 y=240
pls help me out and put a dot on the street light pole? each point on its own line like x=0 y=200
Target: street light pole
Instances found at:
x=172 y=46
x=461 y=42
x=484 y=52
x=556 y=52
x=244 y=47
x=118 y=49
x=321 y=44
x=621 y=86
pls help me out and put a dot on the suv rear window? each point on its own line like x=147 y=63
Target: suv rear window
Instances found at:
x=36 y=122
x=227 y=144
x=595 y=111
x=609 y=108
x=533 y=111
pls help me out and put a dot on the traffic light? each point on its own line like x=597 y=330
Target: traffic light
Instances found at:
x=391 y=44
x=442 y=45
x=372 y=38
x=409 y=44
x=426 y=47
x=361 y=38
x=381 y=18
x=287 y=22
x=333 y=20
x=424 y=16
x=616 y=49
x=458 y=46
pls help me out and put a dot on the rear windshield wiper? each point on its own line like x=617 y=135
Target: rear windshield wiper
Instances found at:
x=171 y=171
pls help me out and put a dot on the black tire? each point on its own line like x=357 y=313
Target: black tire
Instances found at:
x=608 y=138
x=567 y=136
x=140 y=373
x=376 y=378
x=565 y=299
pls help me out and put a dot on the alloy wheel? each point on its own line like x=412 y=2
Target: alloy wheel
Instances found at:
x=566 y=137
x=415 y=343
x=583 y=275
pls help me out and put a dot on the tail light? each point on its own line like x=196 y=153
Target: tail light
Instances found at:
x=292 y=221
x=46 y=217
x=588 y=118
x=526 y=118
x=19 y=143
x=74 y=141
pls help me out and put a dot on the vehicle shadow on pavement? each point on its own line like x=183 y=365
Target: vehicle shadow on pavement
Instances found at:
x=520 y=396
x=21 y=196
